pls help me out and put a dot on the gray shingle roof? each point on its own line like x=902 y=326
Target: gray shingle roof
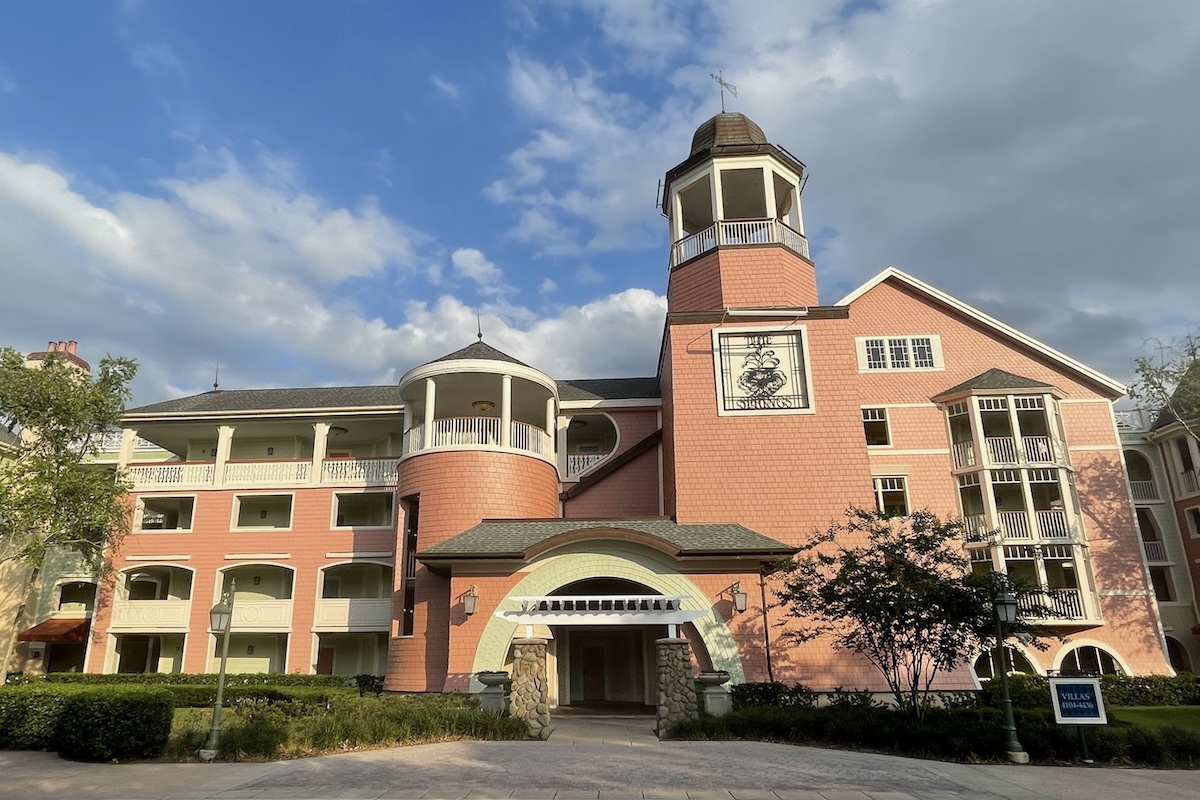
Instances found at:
x=286 y=399
x=481 y=352
x=1185 y=398
x=608 y=389
x=512 y=538
x=997 y=379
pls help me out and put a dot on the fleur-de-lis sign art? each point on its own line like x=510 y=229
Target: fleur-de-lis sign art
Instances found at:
x=761 y=376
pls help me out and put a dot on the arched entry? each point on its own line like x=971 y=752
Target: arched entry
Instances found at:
x=619 y=566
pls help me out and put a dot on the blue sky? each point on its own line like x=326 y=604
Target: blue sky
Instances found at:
x=326 y=193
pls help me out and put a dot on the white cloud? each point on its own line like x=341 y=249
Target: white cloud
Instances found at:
x=474 y=266
x=589 y=274
x=444 y=86
x=547 y=286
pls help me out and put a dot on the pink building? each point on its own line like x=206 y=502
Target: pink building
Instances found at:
x=416 y=530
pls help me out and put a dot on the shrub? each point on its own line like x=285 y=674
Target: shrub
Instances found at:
x=1026 y=691
x=750 y=695
x=29 y=716
x=114 y=723
x=182 y=679
x=369 y=683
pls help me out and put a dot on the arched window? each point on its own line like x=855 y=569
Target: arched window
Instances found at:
x=1089 y=658
x=985 y=665
x=1178 y=655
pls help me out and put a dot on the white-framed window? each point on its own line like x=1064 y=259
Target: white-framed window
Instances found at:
x=875 y=427
x=1089 y=658
x=262 y=512
x=363 y=509
x=760 y=371
x=891 y=496
x=163 y=513
x=1164 y=586
x=1192 y=515
x=899 y=353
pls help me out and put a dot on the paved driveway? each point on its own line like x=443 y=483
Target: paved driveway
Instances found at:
x=600 y=759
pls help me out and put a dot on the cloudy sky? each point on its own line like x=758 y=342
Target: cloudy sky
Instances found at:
x=325 y=193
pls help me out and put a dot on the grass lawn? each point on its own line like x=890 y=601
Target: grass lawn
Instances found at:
x=1155 y=717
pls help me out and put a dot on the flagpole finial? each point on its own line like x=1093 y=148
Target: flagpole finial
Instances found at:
x=478 y=325
x=724 y=84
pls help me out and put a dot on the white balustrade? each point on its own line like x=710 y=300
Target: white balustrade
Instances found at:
x=1052 y=524
x=267 y=473
x=1130 y=420
x=964 y=454
x=1038 y=449
x=150 y=615
x=1002 y=449
x=1063 y=604
x=1155 y=550
x=735 y=232
x=1144 y=490
x=1190 y=483
x=261 y=615
x=532 y=439
x=482 y=433
x=1015 y=524
x=353 y=614
x=358 y=471
x=110 y=442
x=172 y=475
x=578 y=463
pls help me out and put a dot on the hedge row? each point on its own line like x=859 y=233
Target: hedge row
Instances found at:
x=181 y=679
x=87 y=723
x=1033 y=691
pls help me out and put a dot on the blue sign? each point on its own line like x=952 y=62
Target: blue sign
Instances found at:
x=1077 y=701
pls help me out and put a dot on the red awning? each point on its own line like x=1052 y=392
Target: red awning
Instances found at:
x=58 y=631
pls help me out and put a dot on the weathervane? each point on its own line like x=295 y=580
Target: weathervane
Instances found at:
x=716 y=76
x=478 y=325
x=217 y=378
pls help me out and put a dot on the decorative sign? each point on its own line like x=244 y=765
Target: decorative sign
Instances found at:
x=1077 y=701
x=761 y=372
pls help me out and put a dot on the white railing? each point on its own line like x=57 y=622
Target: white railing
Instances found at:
x=172 y=475
x=751 y=231
x=267 y=473
x=578 y=463
x=354 y=614
x=976 y=527
x=1052 y=524
x=1038 y=449
x=150 y=615
x=964 y=454
x=1189 y=481
x=1130 y=420
x=252 y=615
x=1144 y=490
x=1155 y=550
x=111 y=442
x=370 y=471
x=1063 y=604
x=481 y=432
x=1014 y=524
x=1002 y=449
x=582 y=604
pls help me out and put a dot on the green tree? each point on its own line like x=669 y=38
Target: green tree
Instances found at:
x=898 y=591
x=51 y=497
x=1168 y=380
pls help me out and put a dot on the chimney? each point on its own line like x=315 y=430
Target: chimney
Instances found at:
x=62 y=347
x=51 y=347
x=71 y=345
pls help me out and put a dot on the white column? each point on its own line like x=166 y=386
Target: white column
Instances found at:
x=551 y=420
x=128 y=441
x=506 y=411
x=320 y=444
x=224 y=444
x=560 y=439
x=430 y=398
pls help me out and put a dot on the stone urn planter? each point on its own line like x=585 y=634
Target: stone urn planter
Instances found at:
x=493 y=678
x=716 y=678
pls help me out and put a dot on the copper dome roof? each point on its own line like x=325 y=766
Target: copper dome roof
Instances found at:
x=726 y=129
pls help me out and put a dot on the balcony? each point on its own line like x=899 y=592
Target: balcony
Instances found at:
x=964 y=454
x=353 y=615
x=1015 y=525
x=1062 y=604
x=1189 y=482
x=738 y=232
x=1052 y=524
x=1154 y=550
x=284 y=472
x=261 y=615
x=1002 y=449
x=270 y=473
x=360 y=471
x=1144 y=490
x=150 y=616
x=1130 y=420
x=480 y=433
x=579 y=463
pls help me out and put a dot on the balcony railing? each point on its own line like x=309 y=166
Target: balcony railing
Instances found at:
x=1002 y=449
x=1144 y=490
x=261 y=615
x=964 y=454
x=482 y=433
x=355 y=471
x=1189 y=481
x=1038 y=449
x=578 y=463
x=171 y=476
x=1154 y=550
x=267 y=473
x=976 y=527
x=746 y=231
x=353 y=614
x=1052 y=524
x=1131 y=420
x=150 y=615
x=1015 y=525
x=1062 y=604
x=280 y=472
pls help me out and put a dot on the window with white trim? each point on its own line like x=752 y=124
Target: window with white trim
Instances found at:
x=363 y=510
x=262 y=511
x=158 y=513
x=1193 y=520
x=899 y=353
x=875 y=427
x=1089 y=658
x=891 y=497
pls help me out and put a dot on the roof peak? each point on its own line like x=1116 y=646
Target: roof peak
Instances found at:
x=479 y=351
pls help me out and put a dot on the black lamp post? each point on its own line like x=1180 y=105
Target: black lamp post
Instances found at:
x=220 y=619
x=1005 y=606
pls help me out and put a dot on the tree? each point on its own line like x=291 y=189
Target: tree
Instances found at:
x=50 y=496
x=1168 y=380
x=898 y=591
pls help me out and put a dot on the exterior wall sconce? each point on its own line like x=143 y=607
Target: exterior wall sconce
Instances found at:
x=262 y=514
x=483 y=406
x=471 y=600
x=249 y=649
x=739 y=597
x=257 y=580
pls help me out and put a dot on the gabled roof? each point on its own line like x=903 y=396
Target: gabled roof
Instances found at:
x=1005 y=331
x=1185 y=398
x=524 y=538
x=478 y=351
x=322 y=397
x=609 y=389
x=995 y=379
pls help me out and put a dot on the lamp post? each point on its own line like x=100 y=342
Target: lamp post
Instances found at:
x=1005 y=607
x=220 y=619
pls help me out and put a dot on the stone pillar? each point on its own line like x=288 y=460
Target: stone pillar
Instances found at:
x=530 y=699
x=676 y=689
